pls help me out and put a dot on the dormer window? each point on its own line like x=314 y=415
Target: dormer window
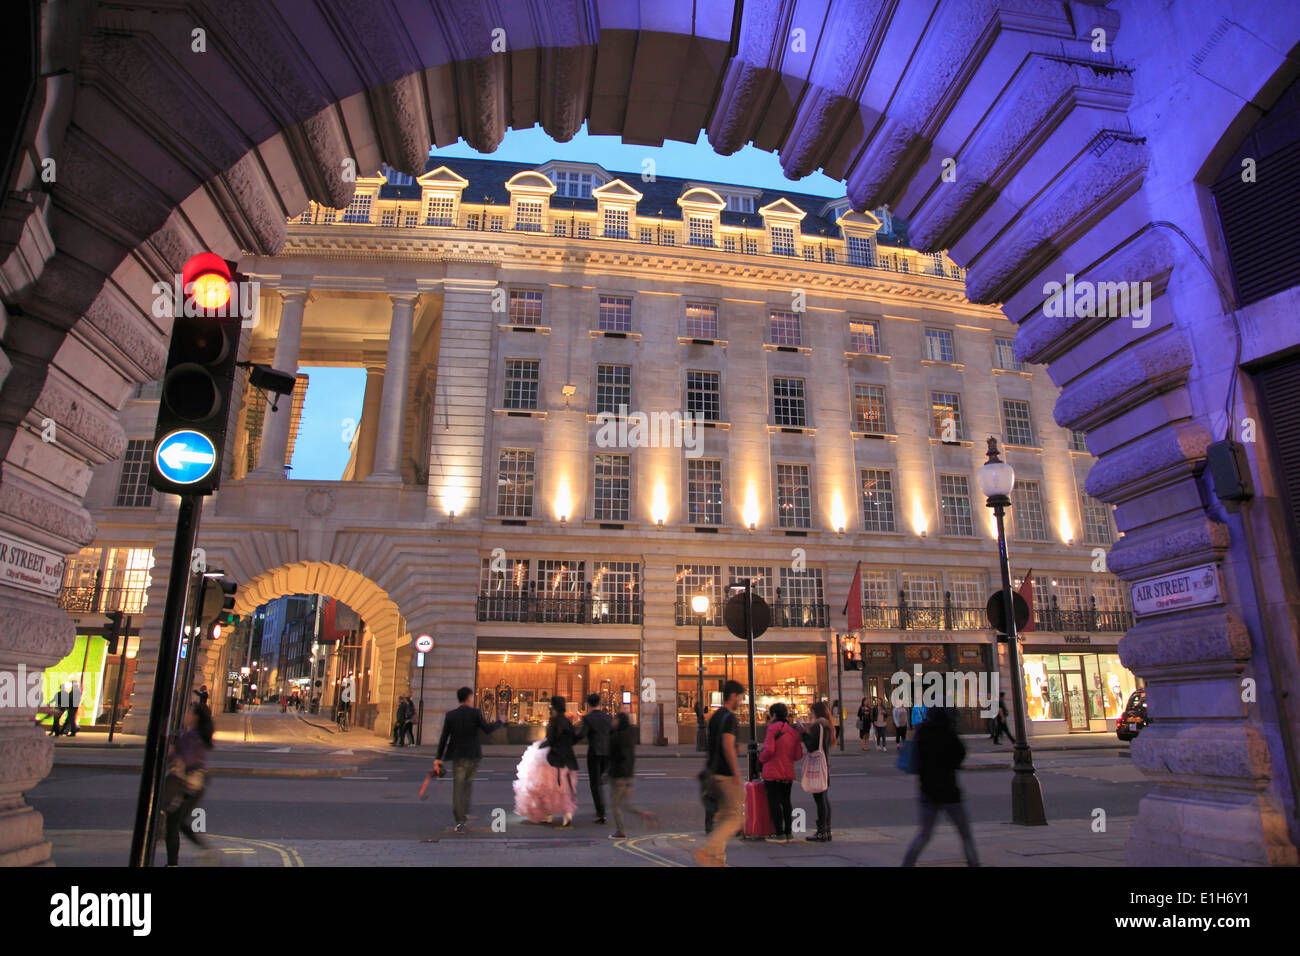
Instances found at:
x=701 y=208
x=572 y=185
x=439 y=210
x=782 y=220
x=359 y=209
x=782 y=240
x=701 y=231
x=398 y=179
x=441 y=198
x=529 y=194
x=739 y=203
x=616 y=224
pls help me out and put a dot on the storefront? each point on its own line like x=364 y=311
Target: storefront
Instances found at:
x=1074 y=689
x=515 y=684
x=89 y=668
x=792 y=674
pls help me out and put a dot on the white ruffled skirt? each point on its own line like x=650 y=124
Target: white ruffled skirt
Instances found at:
x=543 y=791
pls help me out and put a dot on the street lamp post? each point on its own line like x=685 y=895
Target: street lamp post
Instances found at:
x=996 y=479
x=700 y=605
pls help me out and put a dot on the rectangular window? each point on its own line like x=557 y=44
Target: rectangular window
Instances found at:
x=559 y=590
x=616 y=224
x=613 y=389
x=1097 y=525
x=359 y=209
x=945 y=411
x=510 y=581
x=968 y=592
x=560 y=228
x=704 y=491
x=700 y=231
x=521 y=384
x=616 y=593
x=1078 y=440
x=704 y=395
x=615 y=313
x=1027 y=511
x=472 y=221
x=528 y=216
x=584 y=230
x=647 y=235
x=611 y=492
x=133 y=489
x=304 y=217
x=810 y=253
x=439 y=211
x=938 y=345
x=388 y=218
x=1017 y=426
x=327 y=215
x=572 y=185
x=864 y=337
x=802 y=599
x=740 y=203
x=923 y=590
x=669 y=237
x=788 y=402
x=878 y=589
x=877 y=500
x=515 y=472
x=793 y=498
x=729 y=243
x=783 y=329
x=859 y=251
x=1106 y=593
x=496 y=224
x=751 y=247
x=869 y=413
x=411 y=219
x=525 y=306
x=761 y=581
x=1004 y=350
x=693 y=579
x=954 y=505
x=782 y=241
x=701 y=321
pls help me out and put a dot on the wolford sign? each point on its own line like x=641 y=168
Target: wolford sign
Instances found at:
x=1193 y=587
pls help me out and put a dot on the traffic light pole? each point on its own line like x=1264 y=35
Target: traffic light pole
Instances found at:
x=181 y=699
x=839 y=683
x=144 y=837
x=121 y=669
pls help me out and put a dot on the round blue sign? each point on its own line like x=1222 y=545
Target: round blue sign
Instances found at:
x=185 y=456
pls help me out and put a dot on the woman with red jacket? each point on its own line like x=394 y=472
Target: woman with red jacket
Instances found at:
x=781 y=748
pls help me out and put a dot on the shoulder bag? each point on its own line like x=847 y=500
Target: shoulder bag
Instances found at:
x=816 y=776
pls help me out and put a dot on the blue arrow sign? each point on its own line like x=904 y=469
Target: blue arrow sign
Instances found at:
x=185 y=456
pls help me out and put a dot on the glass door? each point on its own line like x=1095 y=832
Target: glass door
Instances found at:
x=1076 y=705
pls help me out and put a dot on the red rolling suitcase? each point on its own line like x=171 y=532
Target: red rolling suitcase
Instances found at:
x=758 y=819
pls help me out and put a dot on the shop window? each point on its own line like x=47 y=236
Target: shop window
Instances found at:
x=796 y=680
x=1044 y=689
x=516 y=687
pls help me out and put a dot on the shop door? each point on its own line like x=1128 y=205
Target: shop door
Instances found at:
x=571 y=684
x=1076 y=706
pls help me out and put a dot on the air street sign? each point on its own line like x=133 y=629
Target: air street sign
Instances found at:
x=1177 y=591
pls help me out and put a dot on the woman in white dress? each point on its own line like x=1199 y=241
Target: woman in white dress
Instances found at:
x=546 y=784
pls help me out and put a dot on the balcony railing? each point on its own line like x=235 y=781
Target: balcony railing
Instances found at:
x=89 y=599
x=783 y=614
x=548 y=609
x=952 y=617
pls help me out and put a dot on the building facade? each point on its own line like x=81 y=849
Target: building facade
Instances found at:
x=592 y=397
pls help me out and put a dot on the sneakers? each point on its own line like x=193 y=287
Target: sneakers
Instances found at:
x=460 y=828
x=601 y=818
x=618 y=835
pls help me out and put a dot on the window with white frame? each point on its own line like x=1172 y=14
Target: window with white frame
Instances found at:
x=802 y=596
x=923 y=589
x=612 y=487
x=515 y=475
x=701 y=321
x=783 y=329
x=700 y=231
x=584 y=230
x=1004 y=351
x=1027 y=511
x=327 y=215
x=760 y=578
x=793 y=496
x=704 y=491
x=1018 y=428
x=739 y=203
x=528 y=215
x=521 y=384
x=439 y=211
x=782 y=240
x=1070 y=593
x=938 y=345
x=359 y=209
x=877 y=500
x=510 y=581
x=968 y=590
x=525 y=306
x=615 y=313
x=945 y=413
x=1107 y=594
x=1078 y=440
x=388 y=218
x=751 y=246
x=788 y=402
x=1097 y=525
x=693 y=579
x=616 y=224
x=613 y=389
x=954 y=505
x=869 y=412
x=559 y=587
x=647 y=235
x=809 y=253
x=560 y=227
x=305 y=217
x=133 y=489
x=410 y=219
x=878 y=591
x=859 y=250
x=864 y=336
x=496 y=224
x=616 y=592
x=668 y=237
x=728 y=243
x=703 y=395
x=572 y=185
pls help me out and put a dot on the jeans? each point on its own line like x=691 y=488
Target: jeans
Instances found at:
x=462 y=786
x=900 y=734
x=730 y=818
x=597 y=768
x=178 y=821
x=929 y=814
x=999 y=728
x=880 y=736
x=620 y=792
x=779 y=805
x=823 y=801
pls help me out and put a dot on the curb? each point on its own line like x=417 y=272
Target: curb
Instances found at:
x=227 y=771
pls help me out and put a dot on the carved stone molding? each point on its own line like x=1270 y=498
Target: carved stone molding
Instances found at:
x=32 y=631
x=63 y=521
x=1129 y=378
x=1134 y=470
x=1212 y=636
x=97 y=435
x=1167 y=546
x=1230 y=755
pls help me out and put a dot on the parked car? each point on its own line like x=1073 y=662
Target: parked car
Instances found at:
x=1134 y=717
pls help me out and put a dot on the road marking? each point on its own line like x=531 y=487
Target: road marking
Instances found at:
x=337 y=753
x=278 y=750
x=237 y=849
x=632 y=845
x=363 y=778
x=288 y=855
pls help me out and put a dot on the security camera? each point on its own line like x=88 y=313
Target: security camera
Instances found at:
x=263 y=376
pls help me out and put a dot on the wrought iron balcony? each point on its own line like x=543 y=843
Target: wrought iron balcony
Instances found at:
x=89 y=599
x=950 y=617
x=526 y=607
x=784 y=614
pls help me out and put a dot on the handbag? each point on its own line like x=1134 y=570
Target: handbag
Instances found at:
x=815 y=777
x=907 y=757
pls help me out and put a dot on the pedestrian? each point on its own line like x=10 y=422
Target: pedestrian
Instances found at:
x=1000 y=721
x=399 y=719
x=781 y=748
x=722 y=777
x=595 y=729
x=864 y=723
x=622 y=763
x=562 y=795
x=880 y=720
x=918 y=714
x=186 y=778
x=408 y=725
x=202 y=693
x=900 y=724
x=820 y=735
x=459 y=743
x=939 y=752
x=60 y=703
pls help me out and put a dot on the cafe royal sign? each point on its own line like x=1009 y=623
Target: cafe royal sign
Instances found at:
x=1191 y=587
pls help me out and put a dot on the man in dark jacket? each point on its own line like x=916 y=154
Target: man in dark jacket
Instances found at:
x=595 y=728
x=939 y=752
x=459 y=744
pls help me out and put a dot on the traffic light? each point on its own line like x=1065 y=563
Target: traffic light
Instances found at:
x=218 y=606
x=197 y=385
x=851 y=660
x=228 y=615
x=112 y=631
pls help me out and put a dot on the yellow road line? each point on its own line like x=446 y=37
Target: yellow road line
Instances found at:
x=632 y=845
x=284 y=852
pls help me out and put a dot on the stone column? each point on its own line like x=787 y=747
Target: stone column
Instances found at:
x=369 y=427
x=275 y=426
x=392 y=411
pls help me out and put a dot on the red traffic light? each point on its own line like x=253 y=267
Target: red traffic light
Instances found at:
x=206 y=278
